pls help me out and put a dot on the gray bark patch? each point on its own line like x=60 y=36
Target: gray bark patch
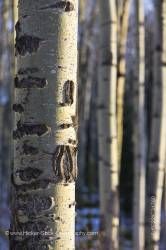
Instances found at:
x=34 y=185
x=16 y=245
x=31 y=205
x=108 y=59
x=29 y=173
x=29 y=150
x=29 y=129
x=30 y=82
x=26 y=71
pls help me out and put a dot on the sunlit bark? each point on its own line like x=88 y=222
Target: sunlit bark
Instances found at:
x=45 y=125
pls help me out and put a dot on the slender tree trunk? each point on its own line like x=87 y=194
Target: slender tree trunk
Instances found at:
x=140 y=143
x=121 y=74
x=102 y=128
x=153 y=157
x=86 y=44
x=158 y=178
x=5 y=121
x=108 y=80
x=164 y=229
x=45 y=136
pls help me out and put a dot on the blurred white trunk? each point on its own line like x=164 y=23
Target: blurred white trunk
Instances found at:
x=140 y=137
x=108 y=81
x=124 y=11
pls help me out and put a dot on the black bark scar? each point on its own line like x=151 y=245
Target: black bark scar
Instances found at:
x=66 y=6
x=29 y=129
x=64 y=163
x=30 y=82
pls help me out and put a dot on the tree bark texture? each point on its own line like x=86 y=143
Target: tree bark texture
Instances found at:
x=157 y=177
x=140 y=137
x=121 y=72
x=45 y=125
x=108 y=81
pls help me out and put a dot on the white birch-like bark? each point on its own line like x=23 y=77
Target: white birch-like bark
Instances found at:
x=45 y=134
x=108 y=81
x=123 y=11
x=140 y=139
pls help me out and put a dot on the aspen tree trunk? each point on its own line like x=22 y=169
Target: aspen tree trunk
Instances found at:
x=124 y=11
x=158 y=178
x=102 y=127
x=101 y=131
x=153 y=157
x=45 y=136
x=81 y=150
x=164 y=229
x=1 y=167
x=85 y=84
x=82 y=5
x=108 y=81
x=140 y=143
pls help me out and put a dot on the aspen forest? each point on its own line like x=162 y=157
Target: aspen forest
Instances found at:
x=83 y=125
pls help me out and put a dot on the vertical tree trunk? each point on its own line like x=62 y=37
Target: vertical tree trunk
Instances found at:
x=140 y=143
x=102 y=128
x=158 y=178
x=5 y=121
x=153 y=158
x=164 y=229
x=45 y=136
x=85 y=63
x=108 y=80
x=124 y=11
